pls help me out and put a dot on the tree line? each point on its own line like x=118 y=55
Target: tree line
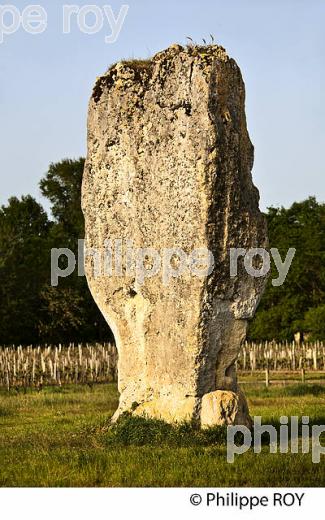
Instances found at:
x=32 y=311
x=299 y=304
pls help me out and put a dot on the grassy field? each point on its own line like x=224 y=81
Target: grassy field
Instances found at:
x=60 y=437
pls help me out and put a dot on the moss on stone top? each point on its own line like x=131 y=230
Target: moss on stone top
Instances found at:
x=141 y=69
x=138 y=64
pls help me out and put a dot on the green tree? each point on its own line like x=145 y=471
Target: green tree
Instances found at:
x=68 y=312
x=24 y=266
x=314 y=322
x=62 y=187
x=31 y=310
x=282 y=309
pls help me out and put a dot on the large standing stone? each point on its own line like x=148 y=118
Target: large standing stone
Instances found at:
x=169 y=165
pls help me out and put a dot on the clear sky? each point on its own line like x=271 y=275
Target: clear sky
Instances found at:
x=46 y=81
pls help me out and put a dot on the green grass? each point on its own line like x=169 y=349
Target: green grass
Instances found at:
x=61 y=437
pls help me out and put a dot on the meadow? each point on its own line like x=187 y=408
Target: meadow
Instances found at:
x=60 y=436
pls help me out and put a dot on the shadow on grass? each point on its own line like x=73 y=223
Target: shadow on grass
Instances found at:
x=140 y=431
x=5 y=412
x=301 y=390
x=292 y=390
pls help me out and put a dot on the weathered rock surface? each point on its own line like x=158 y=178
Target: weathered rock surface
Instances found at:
x=169 y=165
x=224 y=407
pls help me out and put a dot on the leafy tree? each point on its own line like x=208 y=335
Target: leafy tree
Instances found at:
x=282 y=309
x=24 y=266
x=61 y=314
x=31 y=310
x=69 y=312
x=314 y=322
x=62 y=186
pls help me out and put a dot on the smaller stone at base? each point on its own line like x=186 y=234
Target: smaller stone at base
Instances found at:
x=223 y=407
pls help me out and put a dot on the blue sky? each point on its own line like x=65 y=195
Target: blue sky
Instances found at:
x=46 y=81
